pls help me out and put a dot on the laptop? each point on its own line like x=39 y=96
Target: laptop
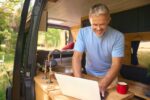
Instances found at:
x=79 y=88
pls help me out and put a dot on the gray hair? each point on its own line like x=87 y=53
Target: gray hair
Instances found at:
x=99 y=9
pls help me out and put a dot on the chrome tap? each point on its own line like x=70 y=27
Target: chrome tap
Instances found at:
x=50 y=73
x=50 y=60
x=45 y=69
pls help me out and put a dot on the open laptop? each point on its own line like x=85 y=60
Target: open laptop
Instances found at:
x=79 y=88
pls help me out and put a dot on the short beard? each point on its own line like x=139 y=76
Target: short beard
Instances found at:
x=100 y=35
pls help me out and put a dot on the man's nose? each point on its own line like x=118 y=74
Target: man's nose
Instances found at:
x=98 y=28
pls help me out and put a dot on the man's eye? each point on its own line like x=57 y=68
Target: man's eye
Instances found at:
x=95 y=25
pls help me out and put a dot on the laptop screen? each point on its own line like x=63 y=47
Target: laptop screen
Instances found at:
x=79 y=88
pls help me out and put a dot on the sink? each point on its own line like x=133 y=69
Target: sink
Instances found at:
x=62 y=69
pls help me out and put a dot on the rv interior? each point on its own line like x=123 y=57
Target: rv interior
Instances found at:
x=73 y=14
x=66 y=17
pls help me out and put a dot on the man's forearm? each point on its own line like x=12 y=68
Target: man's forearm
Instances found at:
x=113 y=72
x=76 y=65
x=107 y=80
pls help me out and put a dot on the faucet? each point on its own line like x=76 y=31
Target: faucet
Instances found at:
x=50 y=55
x=49 y=62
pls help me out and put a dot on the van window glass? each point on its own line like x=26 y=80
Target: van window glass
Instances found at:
x=53 y=39
x=143 y=53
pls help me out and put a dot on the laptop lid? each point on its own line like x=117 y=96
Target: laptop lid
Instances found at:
x=78 y=88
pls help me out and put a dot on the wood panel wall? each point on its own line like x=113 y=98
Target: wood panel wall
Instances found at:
x=129 y=37
x=74 y=31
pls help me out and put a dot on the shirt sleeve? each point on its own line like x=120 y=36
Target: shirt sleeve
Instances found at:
x=79 y=44
x=118 y=48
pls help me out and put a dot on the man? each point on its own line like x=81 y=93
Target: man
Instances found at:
x=103 y=45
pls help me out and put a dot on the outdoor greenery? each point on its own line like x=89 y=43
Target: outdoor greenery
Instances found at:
x=5 y=70
x=52 y=39
x=143 y=58
x=9 y=22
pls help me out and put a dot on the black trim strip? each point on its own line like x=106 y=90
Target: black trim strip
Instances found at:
x=18 y=63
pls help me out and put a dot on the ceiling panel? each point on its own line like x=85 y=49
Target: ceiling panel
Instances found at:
x=71 y=11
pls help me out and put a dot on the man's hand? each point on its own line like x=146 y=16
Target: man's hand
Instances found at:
x=103 y=84
x=111 y=75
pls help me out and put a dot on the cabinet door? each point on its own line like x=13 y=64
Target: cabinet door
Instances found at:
x=126 y=21
x=144 y=19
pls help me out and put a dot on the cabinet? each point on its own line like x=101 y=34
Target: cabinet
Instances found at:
x=144 y=19
x=126 y=21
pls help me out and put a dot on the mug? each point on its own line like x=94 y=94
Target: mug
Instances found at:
x=122 y=87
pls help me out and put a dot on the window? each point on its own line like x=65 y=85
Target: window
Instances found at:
x=53 y=39
x=144 y=53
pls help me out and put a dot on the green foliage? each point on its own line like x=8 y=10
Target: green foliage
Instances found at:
x=3 y=85
x=143 y=58
x=9 y=22
x=4 y=82
x=52 y=37
x=2 y=93
x=1 y=38
x=8 y=38
x=3 y=19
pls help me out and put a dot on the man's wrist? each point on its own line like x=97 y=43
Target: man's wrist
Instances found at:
x=77 y=74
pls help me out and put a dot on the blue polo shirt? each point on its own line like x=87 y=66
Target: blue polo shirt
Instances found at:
x=99 y=50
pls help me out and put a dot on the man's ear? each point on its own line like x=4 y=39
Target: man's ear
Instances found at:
x=90 y=19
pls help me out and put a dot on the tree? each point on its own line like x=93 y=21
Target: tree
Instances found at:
x=3 y=25
x=52 y=37
x=1 y=39
x=9 y=21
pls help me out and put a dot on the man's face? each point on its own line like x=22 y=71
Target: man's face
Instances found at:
x=99 y=24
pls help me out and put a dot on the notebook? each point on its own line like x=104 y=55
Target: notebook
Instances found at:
x=79 y=88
